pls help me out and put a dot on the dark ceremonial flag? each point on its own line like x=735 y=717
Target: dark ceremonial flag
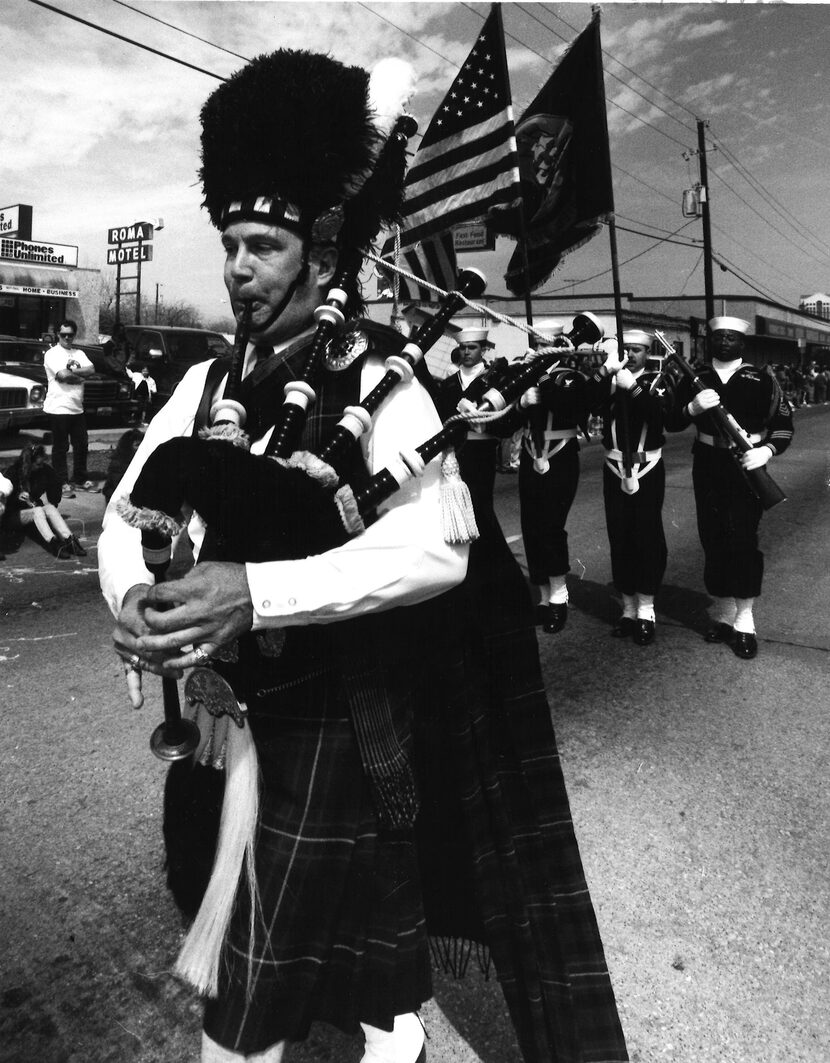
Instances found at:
x=565 y=165
x=467 y=164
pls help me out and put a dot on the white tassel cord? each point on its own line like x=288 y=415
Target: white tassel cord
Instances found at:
x=198 y=961
x=457 y=515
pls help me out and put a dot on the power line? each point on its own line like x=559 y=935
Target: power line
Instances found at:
x=602 y=273
x=613 y=103
x=734 y=270
x=179 y=29
x=411 y=36
x=650 y=84
x=128 y=40
x=802 y=230
x=767 y=220
x=610 y=73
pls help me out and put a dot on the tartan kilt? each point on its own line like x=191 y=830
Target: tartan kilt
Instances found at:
x=341 y=936
x=495 y=823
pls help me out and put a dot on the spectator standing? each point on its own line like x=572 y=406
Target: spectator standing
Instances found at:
x=66 y=369
x=820 y=387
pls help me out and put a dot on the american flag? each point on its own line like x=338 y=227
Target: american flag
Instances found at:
x=467 y=165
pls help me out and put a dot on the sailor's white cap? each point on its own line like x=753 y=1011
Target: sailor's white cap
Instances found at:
x=729 y=324
x=551 y=330
x=472 y=335
x=638 y=337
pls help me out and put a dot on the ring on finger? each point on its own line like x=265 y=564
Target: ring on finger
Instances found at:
x=201 y=656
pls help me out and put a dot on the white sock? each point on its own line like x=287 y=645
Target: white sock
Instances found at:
x=645 y=607
x=558 y=590
x=723 y=611
x=402 y=1045
x=743 y=616
x=629 y=606
x=215 y=1053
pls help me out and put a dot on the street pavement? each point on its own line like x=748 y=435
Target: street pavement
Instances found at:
x=698 y=786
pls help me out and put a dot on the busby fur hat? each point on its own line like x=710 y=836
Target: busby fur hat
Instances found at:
x=300 y=140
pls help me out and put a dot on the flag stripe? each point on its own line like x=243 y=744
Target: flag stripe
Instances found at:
x=494 y=130
x=463 y=166
x=466 y=164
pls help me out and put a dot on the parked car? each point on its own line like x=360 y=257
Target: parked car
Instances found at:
x=21 y=401
x=168 y=351
x=105 y=396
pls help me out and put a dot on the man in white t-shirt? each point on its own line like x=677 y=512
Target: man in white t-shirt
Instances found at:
x=66 y=368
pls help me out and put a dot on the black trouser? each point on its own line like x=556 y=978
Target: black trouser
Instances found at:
x=477 y=464
x=545 y=500
x=728 y=516
x=69 y=428
x=635 y=531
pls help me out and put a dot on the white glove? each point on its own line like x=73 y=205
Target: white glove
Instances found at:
x=6 y=486
x=704 y=400
x=625 y=379
x=532 y=397
x=610 y=348
x=756 y=458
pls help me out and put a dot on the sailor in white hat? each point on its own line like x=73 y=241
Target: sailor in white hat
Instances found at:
x=634 y=403
x=478 y=454
x=549 y=470
x=728 y=512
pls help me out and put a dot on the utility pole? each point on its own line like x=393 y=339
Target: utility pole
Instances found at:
x=156 y=319
x=708 y=284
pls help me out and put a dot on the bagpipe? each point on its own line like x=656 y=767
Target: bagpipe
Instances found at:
x=309 y=510
x=759 y=481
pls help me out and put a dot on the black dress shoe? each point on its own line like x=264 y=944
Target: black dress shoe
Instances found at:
x=643 y=632
x=719 y=633
x=744 y=645
x=623 y=628
x=556 y=618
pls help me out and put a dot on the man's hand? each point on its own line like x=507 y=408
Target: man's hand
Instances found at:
x=129 y=627
x=625 y=379
x=610 y=348
x=531 y=397
x=208 y=608
x=755 y=458
x=704 y=400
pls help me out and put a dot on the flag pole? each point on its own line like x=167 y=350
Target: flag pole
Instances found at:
x=629 y=483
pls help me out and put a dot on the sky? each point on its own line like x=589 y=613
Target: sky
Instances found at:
x=98 y=133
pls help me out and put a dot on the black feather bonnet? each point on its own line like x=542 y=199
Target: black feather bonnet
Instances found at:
x=293 y=139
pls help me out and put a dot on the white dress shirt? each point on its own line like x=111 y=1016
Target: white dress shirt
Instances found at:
x=400 y=560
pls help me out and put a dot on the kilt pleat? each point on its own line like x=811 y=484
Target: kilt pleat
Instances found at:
x=341 y=936
x=497 y=744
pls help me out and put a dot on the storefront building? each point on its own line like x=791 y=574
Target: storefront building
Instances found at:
x=41 y=283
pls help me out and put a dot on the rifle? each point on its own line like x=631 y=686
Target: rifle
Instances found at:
x=759 y=481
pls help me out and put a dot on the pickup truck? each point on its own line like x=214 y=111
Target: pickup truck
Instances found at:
x=21 y=401
x=105 y=396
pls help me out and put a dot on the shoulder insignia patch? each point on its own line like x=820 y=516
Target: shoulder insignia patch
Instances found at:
x=346 y=350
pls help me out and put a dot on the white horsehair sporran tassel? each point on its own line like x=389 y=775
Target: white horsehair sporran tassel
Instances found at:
x=198 y=960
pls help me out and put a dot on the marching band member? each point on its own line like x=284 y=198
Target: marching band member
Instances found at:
x=634 y=509
x=548 y=478
x=478 y=454
x=372 y=640
x=728 y=512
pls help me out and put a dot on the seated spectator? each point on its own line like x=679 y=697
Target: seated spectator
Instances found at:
x=125 y=448
x=116 y=354
x=32 y=505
